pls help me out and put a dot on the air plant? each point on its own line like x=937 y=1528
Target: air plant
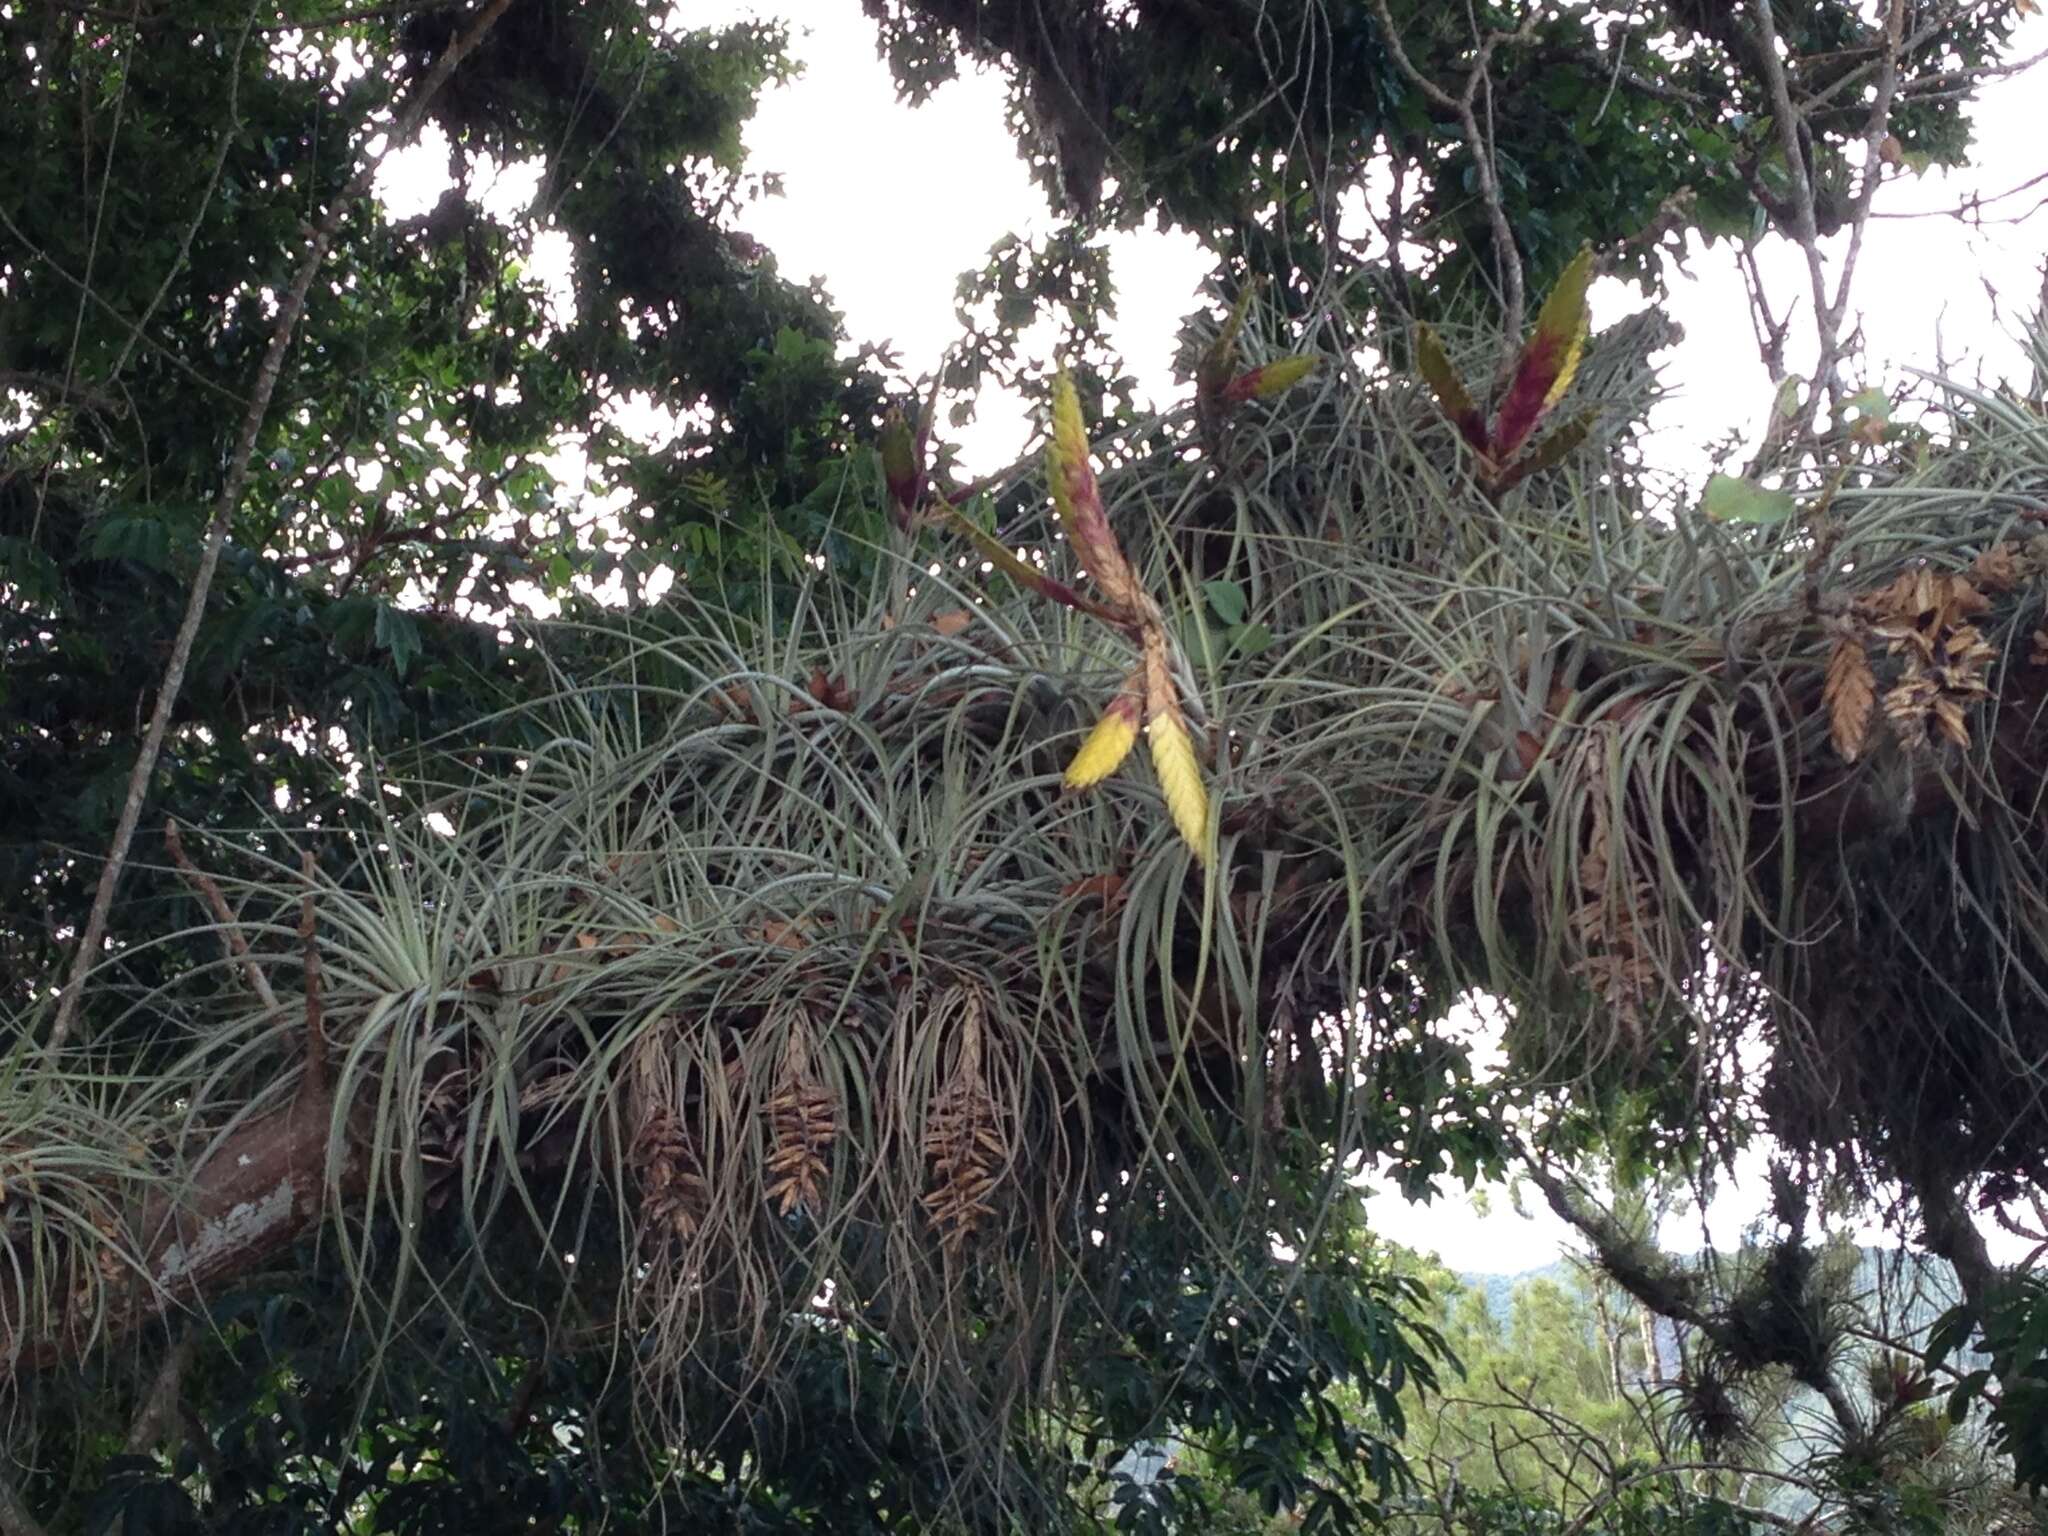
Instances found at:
x=1542 y=373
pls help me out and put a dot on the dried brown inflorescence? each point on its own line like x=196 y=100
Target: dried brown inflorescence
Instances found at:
x=964 y=1146
x=1922 y=627
x=803 y=1120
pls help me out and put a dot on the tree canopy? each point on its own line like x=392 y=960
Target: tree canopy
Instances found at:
x=755 y=1045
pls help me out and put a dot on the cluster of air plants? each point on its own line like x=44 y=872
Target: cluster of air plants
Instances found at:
x=782 y=973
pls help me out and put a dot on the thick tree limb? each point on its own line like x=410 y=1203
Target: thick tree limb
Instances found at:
x=1646 y=1274
x=1952 y=1234
x=262 y=1185
x=159 y=1409
x=290 y=307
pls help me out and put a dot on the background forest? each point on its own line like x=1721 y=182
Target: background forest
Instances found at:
x=762 y=982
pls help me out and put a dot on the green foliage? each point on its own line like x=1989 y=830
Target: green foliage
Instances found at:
x=648 y=943
x=403 y=485
x=2014 y=1333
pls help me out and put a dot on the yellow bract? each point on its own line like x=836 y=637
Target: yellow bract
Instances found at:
x=1284 y=374
x=1564 y=317
x=1104 y=750
x=1173 y=758
x=1068 y=451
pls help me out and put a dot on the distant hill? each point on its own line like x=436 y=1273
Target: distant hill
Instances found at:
x=1500 y=1289
x=1912 y=1290
x=1902 y=1293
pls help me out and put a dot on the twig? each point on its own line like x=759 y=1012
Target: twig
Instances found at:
x=316 y=1008
x=160 y=1405
x=1507 y=259
x=1828 y=311
x=288 y=312
x=1972 y=208
x=231 y=936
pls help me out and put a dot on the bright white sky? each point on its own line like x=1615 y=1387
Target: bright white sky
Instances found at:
x=846 y=149
x=853 y=160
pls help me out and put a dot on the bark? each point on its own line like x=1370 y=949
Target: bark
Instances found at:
x=260 y=1188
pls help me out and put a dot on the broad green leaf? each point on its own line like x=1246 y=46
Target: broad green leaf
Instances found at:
x=142 y=539
x=1227 y=599
x=398 y=632
x=1729 y=500
x=1250 y=639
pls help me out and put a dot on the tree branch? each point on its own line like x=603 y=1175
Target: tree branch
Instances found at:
x=1507 y=259
x=1829 y=311
x=261 y=1186
x=1646 y=1274
x=231 y=936
x=1590 y=1512
x=160 y=1405
x=288 y=312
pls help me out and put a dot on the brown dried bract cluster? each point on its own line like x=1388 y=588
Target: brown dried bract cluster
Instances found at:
x=674 y=1195
x=1925 y=620
x=802 y=1122
x=963 y=1140
x=1849 y=694
x=1617 y=958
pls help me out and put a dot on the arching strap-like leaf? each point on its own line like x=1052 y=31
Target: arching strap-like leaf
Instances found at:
x=1549 y=359
x=1452 y=398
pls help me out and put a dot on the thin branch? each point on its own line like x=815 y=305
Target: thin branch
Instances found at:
x=289 y=310
x=395 y=10
x=164 y=354
x=66 y=389
x=15 y=1519
x=1951 y=80
x=1507 y=258
x=230 y=129
x=231 y=936
x=160 y=1405
x=1804 y=226
x=1586 y=1515
x=1971 y=208
x=1829 y=310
